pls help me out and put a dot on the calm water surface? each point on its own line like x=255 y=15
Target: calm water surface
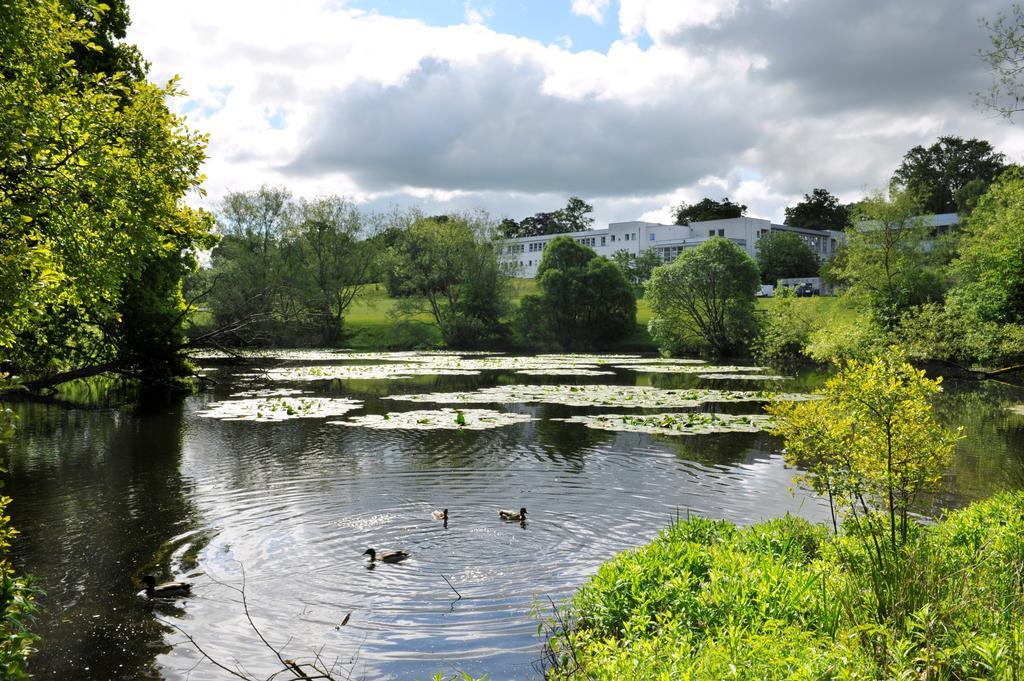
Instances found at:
x=105 y=495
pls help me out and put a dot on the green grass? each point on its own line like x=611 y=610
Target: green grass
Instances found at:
x=786 y=599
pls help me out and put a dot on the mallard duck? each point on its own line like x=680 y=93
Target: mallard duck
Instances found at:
x=385 y=556
x=440 y=515
x=512 y=515
x=167 y=589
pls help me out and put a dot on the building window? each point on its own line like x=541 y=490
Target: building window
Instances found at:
x=721 y=232
x=711 y=232
x=613 y=237
x=602 y=241
x=652 y=237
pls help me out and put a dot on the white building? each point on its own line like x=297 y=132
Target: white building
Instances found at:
x=524 y=253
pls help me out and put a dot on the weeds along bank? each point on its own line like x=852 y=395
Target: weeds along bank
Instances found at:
x=788 y=599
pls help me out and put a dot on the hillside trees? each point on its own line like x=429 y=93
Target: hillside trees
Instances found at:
x=450 y=268
x=945 y=176
x=574 y=217
x=96 y=237
x=584 y=300
x=705 y=296
x=819 y=210
x=887 y=262
x=781 y=255
x=708 y=209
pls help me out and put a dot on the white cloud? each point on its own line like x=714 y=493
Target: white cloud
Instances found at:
x=593 y=9
x=757 y=101
x=473 y=15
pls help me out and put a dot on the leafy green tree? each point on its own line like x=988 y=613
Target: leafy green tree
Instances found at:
x=989 y=272
x=781 y=255
x=784 y=332
x=819 y=210
x=934 y=175
x=887 y=262
x=573 y=218
x=708 y=293
x=637 y=268
x=1006 y=60
x=872 y=446
x=96 y=237
x=248 y=273
x=584 y=300
x=451 y=269
x=105 y=52
x=708 y=209
x=329 y=260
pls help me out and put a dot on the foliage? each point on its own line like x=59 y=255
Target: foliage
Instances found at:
x=989 y=273
x=573 y=218
x=637 y=268
x=873 y=447
x=937 y=173
x=96 y=238
x=584 y=300
x=781 y=255
x=887 y=262
x=783 y=332
x=855 y=335
x=819 y=210
x=287 y=270
x=708 y=209
x=710 y=290
x=17 y=598
x=451 y=268
x=1006 y=60
x=781 y=599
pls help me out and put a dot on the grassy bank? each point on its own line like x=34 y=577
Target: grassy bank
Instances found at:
x=787 y=600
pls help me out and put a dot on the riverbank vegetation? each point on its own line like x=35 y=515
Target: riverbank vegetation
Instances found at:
x=877 y=595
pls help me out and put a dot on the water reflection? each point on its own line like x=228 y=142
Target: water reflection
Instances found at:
x=99 y=499
x=289 y=507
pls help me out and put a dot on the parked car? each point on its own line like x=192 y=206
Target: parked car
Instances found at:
x=804 y=290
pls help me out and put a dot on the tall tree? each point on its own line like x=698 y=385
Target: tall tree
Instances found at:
x=637 y=268
x=584 y=300
x=819 y=210
x=573 y=218
x=886 y=261
x=329 y=260
x=934 y=175
x=96 y=237
x=451 y=269
x=708 y=292
x=781 y=255
x=708 y=209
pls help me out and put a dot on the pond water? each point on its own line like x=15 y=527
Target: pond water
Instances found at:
x=286 y=506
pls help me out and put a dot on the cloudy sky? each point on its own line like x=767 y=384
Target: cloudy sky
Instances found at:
x=511 y=106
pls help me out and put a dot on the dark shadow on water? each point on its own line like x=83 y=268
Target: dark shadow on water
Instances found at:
x=96 y=495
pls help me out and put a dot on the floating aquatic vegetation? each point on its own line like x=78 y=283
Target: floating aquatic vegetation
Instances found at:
x=329 y=372
x=437 y=419
x=675 y=424
x=688 y=368
x=744 y=377
x=567 y=371
x=280 y=408
x=270 y=392
x=597 y=396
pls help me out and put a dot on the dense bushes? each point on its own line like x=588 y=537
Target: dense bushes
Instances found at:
x=785 y=599
x=584 y=302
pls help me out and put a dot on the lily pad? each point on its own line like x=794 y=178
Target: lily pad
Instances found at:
x=744 y=377
x=675 y=424
x=597 y=396
x=688 y=368
x=1016 y=409
x=267 y=409
x=437 y=419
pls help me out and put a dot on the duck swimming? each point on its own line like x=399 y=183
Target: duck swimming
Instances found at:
x=167 y=589
x=385 y=556
x=440 y=515
x=512 y=515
